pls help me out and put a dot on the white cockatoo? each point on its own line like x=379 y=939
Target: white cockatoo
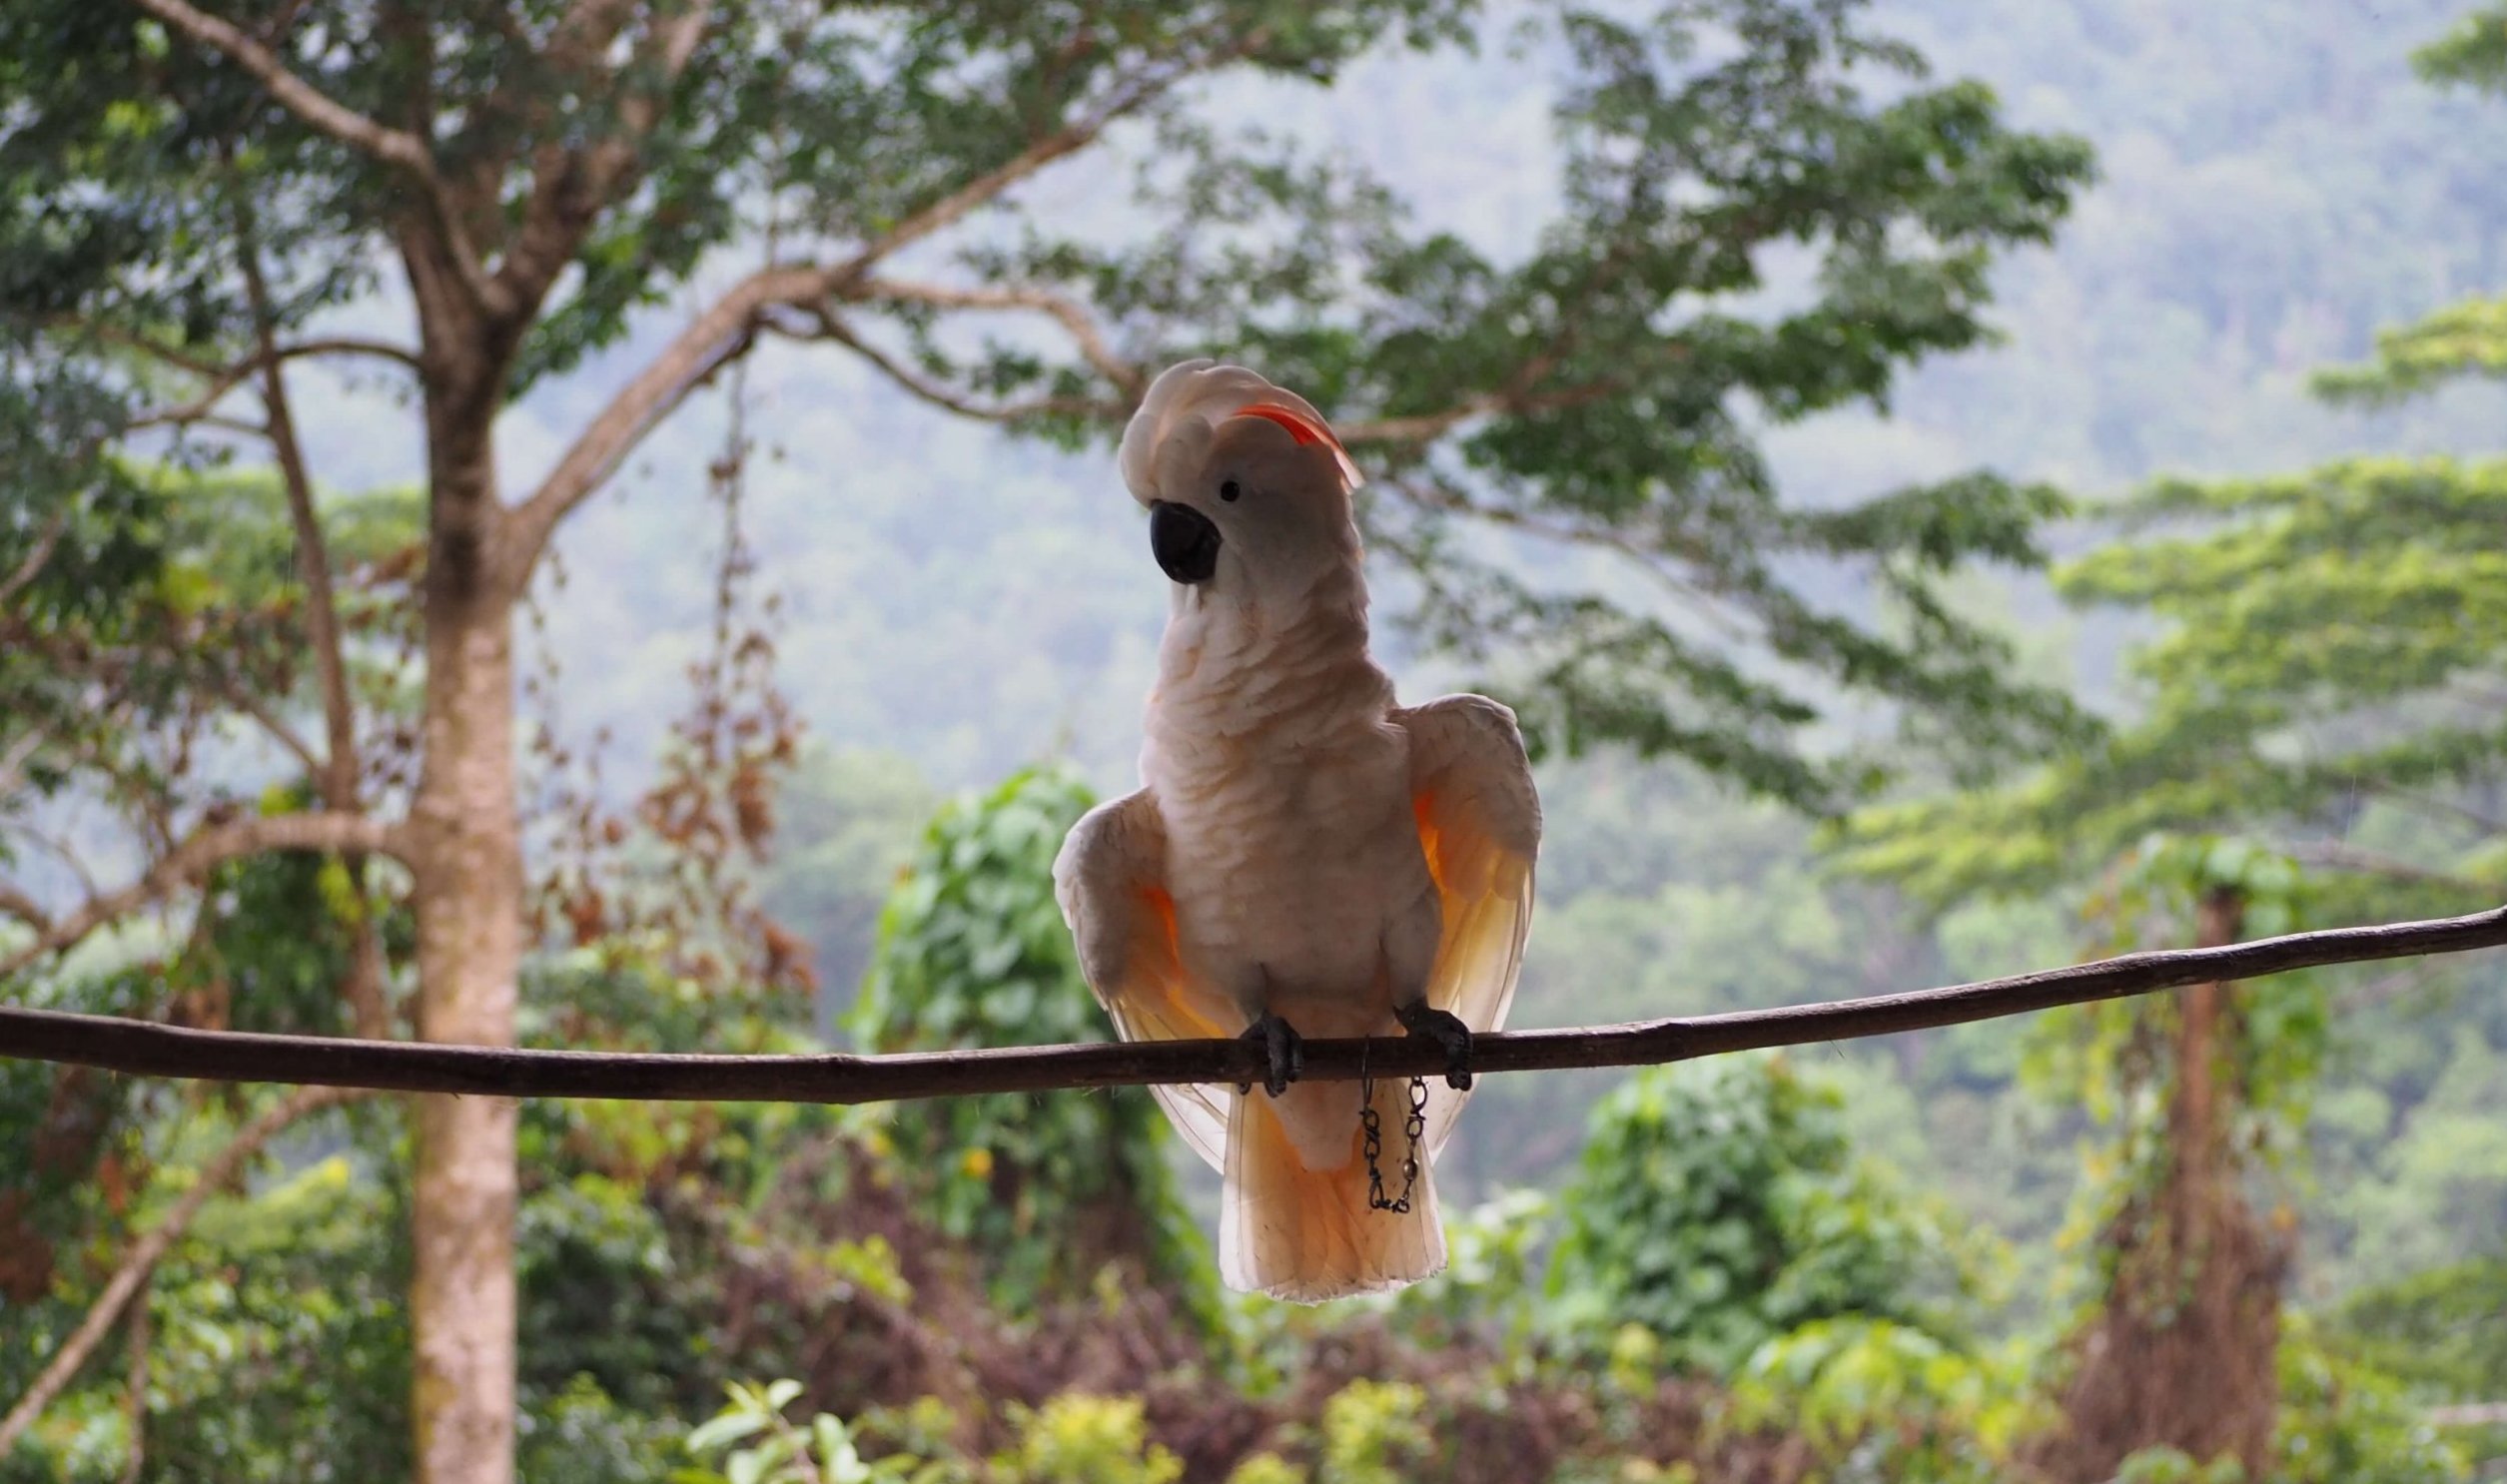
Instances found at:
x=1305 y=857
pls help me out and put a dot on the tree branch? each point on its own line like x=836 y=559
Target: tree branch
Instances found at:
x=1428 y=426
x=953 y=208
x=349 y=345
x=19 y=751
x=1441 y=498
x=180 y=360
x=150 y=1249
x=2340 y=856
x=24 y=908
x=223 y=379
x=242 y=699
x=338 y=776
x=337 y=344
x=45 y=544
x=135 y=1391
x=144 y=1048
x=571 y=186
x=830 y=326
x=727 y=329
x=209 y=847
x=395 y=147
x=2438 y=805
x=711 y=341
x=293 y=93
x=1084 y=330
x=174 y=356
x=194 y=418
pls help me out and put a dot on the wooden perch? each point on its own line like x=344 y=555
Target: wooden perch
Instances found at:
x=143 y=1049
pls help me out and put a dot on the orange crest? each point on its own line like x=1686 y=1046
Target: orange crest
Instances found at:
x=1305 y=430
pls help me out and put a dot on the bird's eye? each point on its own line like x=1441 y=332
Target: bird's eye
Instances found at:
x=1229 y=491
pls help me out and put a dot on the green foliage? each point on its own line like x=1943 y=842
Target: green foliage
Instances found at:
x=1491 y=1285
x=601 y=1293
x=2441 y=1327
x=1373 y=1432
x=2105 y=1057
x=761 y=1446
x=1073 y=1438
x=1883 y=1401
x=1719 y=1204
x=2165 y=1465
x=1080 y=1439
x=2473 y=54
x=99 y=585
x=2313 y=691
x=185 y=578
x=1673 y=185
x=1265 y=1468
x=2467 y=338
x=2327 y=635
x=2462 y=340
x=281 y=1338
x=267 y=1302
x=973 y=952
x=2321 y=628
x=2416 y=1162
x=2322 y=639
x=2342 y=1420
x=663 y=1246
x=582 y=1435
x=1628 y=358
x=273 y=949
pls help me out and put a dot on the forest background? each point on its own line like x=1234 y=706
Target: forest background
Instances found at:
x=1885 y=1260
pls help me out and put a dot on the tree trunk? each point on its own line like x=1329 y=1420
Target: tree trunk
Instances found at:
x=469 y=890
x=2184 y=1355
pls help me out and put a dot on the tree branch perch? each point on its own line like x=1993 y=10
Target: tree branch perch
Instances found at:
x=146 y=1050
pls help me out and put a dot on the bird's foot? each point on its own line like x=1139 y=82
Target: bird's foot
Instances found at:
x=1445 y=1028
x=1283 y=1053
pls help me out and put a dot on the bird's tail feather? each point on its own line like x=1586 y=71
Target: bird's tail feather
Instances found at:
x=1299 y=1232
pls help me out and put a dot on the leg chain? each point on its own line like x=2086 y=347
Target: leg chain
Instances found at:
x=1414 y=1128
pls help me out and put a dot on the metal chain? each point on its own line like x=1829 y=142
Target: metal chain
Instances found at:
x=1414 y=1128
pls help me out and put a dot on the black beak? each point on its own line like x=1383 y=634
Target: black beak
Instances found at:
x=1185 y=542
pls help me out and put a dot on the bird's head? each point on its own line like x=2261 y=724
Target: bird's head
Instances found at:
x=1247 y=488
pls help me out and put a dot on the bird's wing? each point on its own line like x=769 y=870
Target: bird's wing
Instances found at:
x=1479 y=824
x=1110 y=879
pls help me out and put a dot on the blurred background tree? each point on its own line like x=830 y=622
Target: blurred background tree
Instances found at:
x=2325 y=677
x=2269 y=193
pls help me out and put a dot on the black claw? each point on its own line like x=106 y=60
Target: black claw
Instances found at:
x=1283 y=1054
x=1445 y=1028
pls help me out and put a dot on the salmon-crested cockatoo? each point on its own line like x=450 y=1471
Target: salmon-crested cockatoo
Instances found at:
x=1305 y=857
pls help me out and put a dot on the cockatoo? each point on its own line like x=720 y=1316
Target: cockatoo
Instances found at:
x=1305 y=857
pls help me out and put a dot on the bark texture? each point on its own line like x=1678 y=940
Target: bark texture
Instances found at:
x=468 y=869
x=2183 y=1353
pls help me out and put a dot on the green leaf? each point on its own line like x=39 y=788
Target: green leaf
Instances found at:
x=726 y=1427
